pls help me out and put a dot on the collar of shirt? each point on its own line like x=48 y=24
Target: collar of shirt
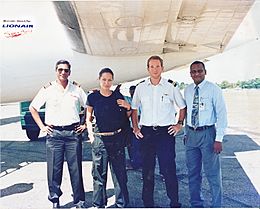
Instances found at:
x=210 y=111
x=148 y=82
x=156 y=102
x=201 y=85
x=61 y=101
x=60 y=87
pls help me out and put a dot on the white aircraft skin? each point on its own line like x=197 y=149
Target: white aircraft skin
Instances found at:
x=27 y=63
x=28 y=60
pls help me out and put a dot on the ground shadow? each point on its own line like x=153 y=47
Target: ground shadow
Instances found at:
x=88 y=199
x=5 y=121
x=16 y=188
x=13 y=153
x=238 y=190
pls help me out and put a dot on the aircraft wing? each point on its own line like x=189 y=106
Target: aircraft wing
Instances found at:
x=117 y=34
x=134 y=28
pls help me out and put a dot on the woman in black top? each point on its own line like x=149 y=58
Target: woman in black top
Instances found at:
x=110 y=111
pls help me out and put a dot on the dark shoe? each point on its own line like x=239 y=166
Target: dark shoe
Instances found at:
x=97 y=207
x=120 y=205
x=148 y=205
x=129 y=167
x=56 y=204
x=175 y=205
x=80 y=204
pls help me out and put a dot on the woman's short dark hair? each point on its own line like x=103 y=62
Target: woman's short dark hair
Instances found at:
x=63 y=62
x=155 y=57
x=106 y=70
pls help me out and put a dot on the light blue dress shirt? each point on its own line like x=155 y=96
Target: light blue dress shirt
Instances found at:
x=212 y=108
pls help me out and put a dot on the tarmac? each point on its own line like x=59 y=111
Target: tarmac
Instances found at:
x=23 y=177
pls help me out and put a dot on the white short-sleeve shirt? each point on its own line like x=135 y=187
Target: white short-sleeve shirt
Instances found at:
x=157 y=103
x=62 y=105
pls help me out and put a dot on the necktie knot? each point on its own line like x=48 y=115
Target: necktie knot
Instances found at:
x=196 y=93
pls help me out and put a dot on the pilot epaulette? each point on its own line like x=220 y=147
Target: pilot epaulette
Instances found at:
x=140 y=82
x=118 y=87
x=47 y=85
x=172 y=82
x=75 y=83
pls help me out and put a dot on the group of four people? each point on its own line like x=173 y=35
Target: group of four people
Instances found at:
x=203 y=111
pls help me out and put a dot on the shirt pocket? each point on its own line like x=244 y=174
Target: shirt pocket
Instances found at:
x=204 y=104
x=165 y=99
x=165 y=103
x=73 y=100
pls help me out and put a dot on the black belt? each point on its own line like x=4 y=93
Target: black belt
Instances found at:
x=66 y=128
x=200 y=128
x=156 y=128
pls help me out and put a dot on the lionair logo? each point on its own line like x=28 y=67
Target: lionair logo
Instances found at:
x=16 y=28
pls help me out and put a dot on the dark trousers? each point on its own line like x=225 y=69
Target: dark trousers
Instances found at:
x=135 y=153
x=109 y=150
x=68 y=144
x=158 y=142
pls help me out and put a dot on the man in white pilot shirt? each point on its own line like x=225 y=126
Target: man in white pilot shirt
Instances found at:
x=63 y=99
x=157 y=98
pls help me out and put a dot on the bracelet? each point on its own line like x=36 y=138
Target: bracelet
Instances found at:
x=129 y=109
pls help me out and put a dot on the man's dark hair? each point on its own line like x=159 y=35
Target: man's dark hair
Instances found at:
x=155 y=57
x=196 y=63
x=106 y=70
x=132 y=88
x=62 y=62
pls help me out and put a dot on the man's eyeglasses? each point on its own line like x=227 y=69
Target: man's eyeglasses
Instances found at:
x=196 y=71
x=66 y=70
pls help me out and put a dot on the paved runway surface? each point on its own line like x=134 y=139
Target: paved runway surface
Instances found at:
x=23 y=171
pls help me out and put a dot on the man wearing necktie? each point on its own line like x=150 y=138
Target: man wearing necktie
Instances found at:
x=195 y=108
x=206 y=122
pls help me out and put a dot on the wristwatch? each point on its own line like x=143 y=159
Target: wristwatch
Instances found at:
x=180 y=122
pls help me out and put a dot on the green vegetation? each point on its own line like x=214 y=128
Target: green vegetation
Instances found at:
x=182 y=85
x=249 y=84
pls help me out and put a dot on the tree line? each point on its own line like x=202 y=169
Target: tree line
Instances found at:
x=248 y=84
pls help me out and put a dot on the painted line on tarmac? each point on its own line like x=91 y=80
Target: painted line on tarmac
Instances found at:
x=11 y=170
x=250 y=162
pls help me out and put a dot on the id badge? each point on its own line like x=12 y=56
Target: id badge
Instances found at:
x=202 y=106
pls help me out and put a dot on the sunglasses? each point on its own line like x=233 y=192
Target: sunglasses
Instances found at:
x=66 y=70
